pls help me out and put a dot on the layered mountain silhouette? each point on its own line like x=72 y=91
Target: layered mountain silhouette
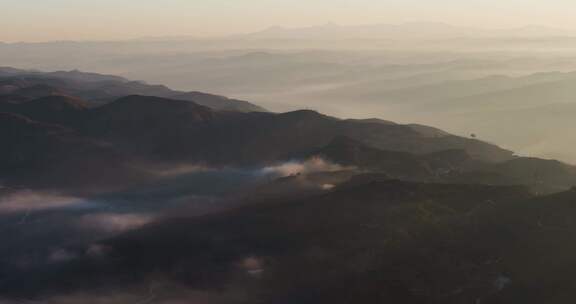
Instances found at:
x=330 y=210
x=162 y=130
x=97 y=89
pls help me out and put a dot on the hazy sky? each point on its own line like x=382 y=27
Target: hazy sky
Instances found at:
x=32 y=20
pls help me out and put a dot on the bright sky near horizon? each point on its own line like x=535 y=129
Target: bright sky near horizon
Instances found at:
x=41 y=20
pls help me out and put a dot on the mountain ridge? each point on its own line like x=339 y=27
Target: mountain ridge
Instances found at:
x=99 y=89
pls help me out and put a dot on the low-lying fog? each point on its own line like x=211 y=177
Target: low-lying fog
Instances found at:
x=37 y=220
x=43 y=229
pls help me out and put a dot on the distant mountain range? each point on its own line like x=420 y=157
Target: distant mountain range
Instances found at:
x=411 y=30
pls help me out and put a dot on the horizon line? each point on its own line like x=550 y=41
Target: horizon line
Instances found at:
x=232 y=35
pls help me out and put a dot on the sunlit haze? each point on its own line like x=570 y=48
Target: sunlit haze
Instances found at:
x=33 y=20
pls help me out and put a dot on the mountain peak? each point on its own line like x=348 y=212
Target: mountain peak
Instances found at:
x=306 y=113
